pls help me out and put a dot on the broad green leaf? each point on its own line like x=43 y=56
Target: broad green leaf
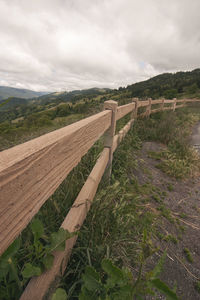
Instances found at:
x=12 y=249
x=92 y=272
x=162 y=287
x=158 y=268
x=30 y=271
x=58 y=240
x=86 y=295
x=91 y=279
x=37 y=229
x=125 y=292
x=59 y=294
x=48 y=261
x=116 y=276
x=6 y=258
x=4 y=268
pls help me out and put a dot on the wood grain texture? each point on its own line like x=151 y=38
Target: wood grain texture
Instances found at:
x=168 y=101
x=156 y=101
x=38 y=286
x=109 y=135
x=135 y=110
x=180 y=100
x=192 y=100
x=124 y=110
x=148 y=109
x=143 y=103
x=31 y=172
x=174 y=104
x=162 y=104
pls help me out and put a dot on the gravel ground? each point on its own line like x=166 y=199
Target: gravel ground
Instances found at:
x=183 y=200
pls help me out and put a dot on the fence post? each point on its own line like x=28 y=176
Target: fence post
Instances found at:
x=174 y=104
x=110 y=133
x=148 y=110
x=162 y=104
x=135 y=111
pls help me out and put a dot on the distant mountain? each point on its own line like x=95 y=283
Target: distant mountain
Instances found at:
x=73 y=96
x=6 y=92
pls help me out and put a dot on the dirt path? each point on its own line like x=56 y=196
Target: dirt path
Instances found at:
x=179 y=225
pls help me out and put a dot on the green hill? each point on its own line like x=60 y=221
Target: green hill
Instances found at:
x=168 y=85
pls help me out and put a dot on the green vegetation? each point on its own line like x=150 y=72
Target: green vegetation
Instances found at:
x=177 y=158
x=59 y=294
x=170 y=187
x=40 y=122
x=39 y=255
x=188 y=255
x=22 y=122
x=197 y=286
x=169 y=86
x=120 y=284
x=170 y=238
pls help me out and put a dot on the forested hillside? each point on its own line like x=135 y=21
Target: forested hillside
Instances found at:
x=168 y=85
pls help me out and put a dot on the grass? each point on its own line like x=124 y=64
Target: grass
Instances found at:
x=177 y=159
x=188 y=255
x=170 y=238
x=115 y=225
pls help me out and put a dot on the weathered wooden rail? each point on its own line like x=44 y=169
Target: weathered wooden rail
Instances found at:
x=31 y=172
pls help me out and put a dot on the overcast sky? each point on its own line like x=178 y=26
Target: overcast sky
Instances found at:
x=75 y=44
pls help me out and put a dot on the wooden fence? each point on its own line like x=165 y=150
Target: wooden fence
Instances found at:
x=31 y=172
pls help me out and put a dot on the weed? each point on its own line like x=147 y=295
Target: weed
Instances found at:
x=170 y=187
x=188 y=255
x=155 y=155
x=182 y=228
x=157 y=198
x=41 y=259
x=59 y=294
x=197 y=286
x=170 y=238
x=119 y=283
x=164 y=193
x=183 y=215
x=165 y=212
x=179 y=167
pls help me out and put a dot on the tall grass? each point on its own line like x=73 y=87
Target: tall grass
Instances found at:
x=173 y=130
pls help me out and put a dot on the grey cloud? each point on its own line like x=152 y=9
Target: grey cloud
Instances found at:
x=66 y=44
